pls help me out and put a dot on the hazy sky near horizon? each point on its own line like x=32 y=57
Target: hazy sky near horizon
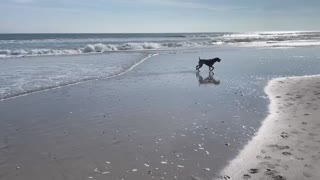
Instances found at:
x=120 y=16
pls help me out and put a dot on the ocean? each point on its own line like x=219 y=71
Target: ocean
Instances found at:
x=21 y=45
x=137 y=113
x=36 y=62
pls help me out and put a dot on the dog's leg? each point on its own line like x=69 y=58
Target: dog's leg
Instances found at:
x=211 y=68
x=198 y=67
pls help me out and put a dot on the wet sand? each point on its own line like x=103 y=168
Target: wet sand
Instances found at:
x=161 y=120
x=287 y=146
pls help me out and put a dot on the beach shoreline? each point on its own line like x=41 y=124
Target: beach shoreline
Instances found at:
x=287 y=144
x=155 y=121
x=160 y=120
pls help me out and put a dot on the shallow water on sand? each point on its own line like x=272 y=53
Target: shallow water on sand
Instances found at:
x=19 y=76
x=161 y=120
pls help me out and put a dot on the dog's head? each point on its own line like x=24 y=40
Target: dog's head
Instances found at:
x=217 y=59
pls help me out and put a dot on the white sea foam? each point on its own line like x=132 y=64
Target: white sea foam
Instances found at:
x=40 y=47
x=94 y=48
x=102 y=48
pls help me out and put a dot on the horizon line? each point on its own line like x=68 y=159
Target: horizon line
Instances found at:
x=156 y=32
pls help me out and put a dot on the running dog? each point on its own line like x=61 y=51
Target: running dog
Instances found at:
x=208 y=62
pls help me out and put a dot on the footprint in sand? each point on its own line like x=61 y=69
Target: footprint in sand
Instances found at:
x=276 y=146
x=253 y=171
x=225 y=177
x=286 y=153
x=284 y=135
x=283 y=147
x=267 y=157
x=299 y=158
x=273 y=174
x=246 y=176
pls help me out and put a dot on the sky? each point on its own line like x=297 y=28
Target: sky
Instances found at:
x=152 y=16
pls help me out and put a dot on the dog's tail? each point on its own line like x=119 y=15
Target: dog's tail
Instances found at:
x=199 y=58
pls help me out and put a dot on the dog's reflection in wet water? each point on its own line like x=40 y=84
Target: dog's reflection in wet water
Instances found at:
x=209 y=80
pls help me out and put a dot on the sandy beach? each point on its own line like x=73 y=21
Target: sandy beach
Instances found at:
x=159 y=90
x=160 y=120
x=287 y=144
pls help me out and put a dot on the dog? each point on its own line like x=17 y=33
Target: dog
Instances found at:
x=208 y=62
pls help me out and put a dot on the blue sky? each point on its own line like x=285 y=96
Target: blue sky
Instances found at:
x=120 y=16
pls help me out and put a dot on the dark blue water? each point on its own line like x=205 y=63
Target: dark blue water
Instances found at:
x=43 y=36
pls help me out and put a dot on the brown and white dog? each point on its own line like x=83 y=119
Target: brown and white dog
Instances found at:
x=208 y=62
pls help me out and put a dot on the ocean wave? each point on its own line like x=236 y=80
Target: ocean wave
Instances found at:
x=97 y=48
x=195 y=40
x=102 y=48
x=120 y=47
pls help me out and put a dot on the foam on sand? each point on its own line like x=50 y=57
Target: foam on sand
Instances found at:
x=287 y=145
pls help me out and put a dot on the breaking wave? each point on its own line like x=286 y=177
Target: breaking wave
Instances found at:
x=96 y=48
x=81 y=44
